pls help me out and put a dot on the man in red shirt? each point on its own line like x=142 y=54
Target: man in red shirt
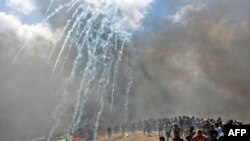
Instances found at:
x=199 y=136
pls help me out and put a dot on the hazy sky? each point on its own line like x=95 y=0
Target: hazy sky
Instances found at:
x=192 y=57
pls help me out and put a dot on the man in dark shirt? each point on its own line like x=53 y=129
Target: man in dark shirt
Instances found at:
x=109 y=131
x=177 y=136
x=191 y=134
x=212 y=134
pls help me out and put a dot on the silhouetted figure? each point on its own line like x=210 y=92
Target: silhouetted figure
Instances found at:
x=176 y=128
x=161 y=127
x=221 y=137
x=90 y=133
x=109 y=131
x=212 y=134
x=177 y=136
x=162 y=139
x=123 y=130
x=148 y=128
x=133 y=128
x=181 y=122
x=191 y=134
x=167 y=130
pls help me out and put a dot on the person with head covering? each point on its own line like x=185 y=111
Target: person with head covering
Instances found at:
x=199 y=136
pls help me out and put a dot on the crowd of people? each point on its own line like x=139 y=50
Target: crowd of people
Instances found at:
x=182 y=128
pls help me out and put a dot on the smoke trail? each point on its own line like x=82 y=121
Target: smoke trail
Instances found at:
x=58 y=107
x=79 y=49
x=102 y=86
x=58 y=39
x=99 y=113
x=104 y=82
x=76 y=22
x=49 y=7
x=115 y=75
x=87 y=73
x=64 y=29
x=56 y=115
x=80 y=104
x=73 y=5
x=59 y=9
x=93 y=62
x=21 y=50
x=101 y=31
x=130 y=82
x=55 y=45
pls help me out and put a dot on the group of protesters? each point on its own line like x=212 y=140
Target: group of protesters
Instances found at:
x=182 y=128
x=186 y=128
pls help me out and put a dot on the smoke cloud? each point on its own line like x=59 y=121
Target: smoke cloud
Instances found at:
x=133 y=11
x=195 y=62
x=24 y=90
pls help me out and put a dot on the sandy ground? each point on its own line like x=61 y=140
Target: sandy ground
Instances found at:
x=137 y=136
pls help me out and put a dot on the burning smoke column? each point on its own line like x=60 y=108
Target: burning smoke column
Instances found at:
x=100 y=30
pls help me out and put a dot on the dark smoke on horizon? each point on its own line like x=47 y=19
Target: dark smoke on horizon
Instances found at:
x=198 y=65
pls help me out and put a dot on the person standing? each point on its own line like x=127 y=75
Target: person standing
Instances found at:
x=199 y=136
x=109 y=131
x=212 y=134
x=177 y=136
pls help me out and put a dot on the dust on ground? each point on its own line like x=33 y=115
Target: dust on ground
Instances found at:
x=136 y=136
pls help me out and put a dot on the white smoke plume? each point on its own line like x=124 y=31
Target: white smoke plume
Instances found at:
x=134 y=10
